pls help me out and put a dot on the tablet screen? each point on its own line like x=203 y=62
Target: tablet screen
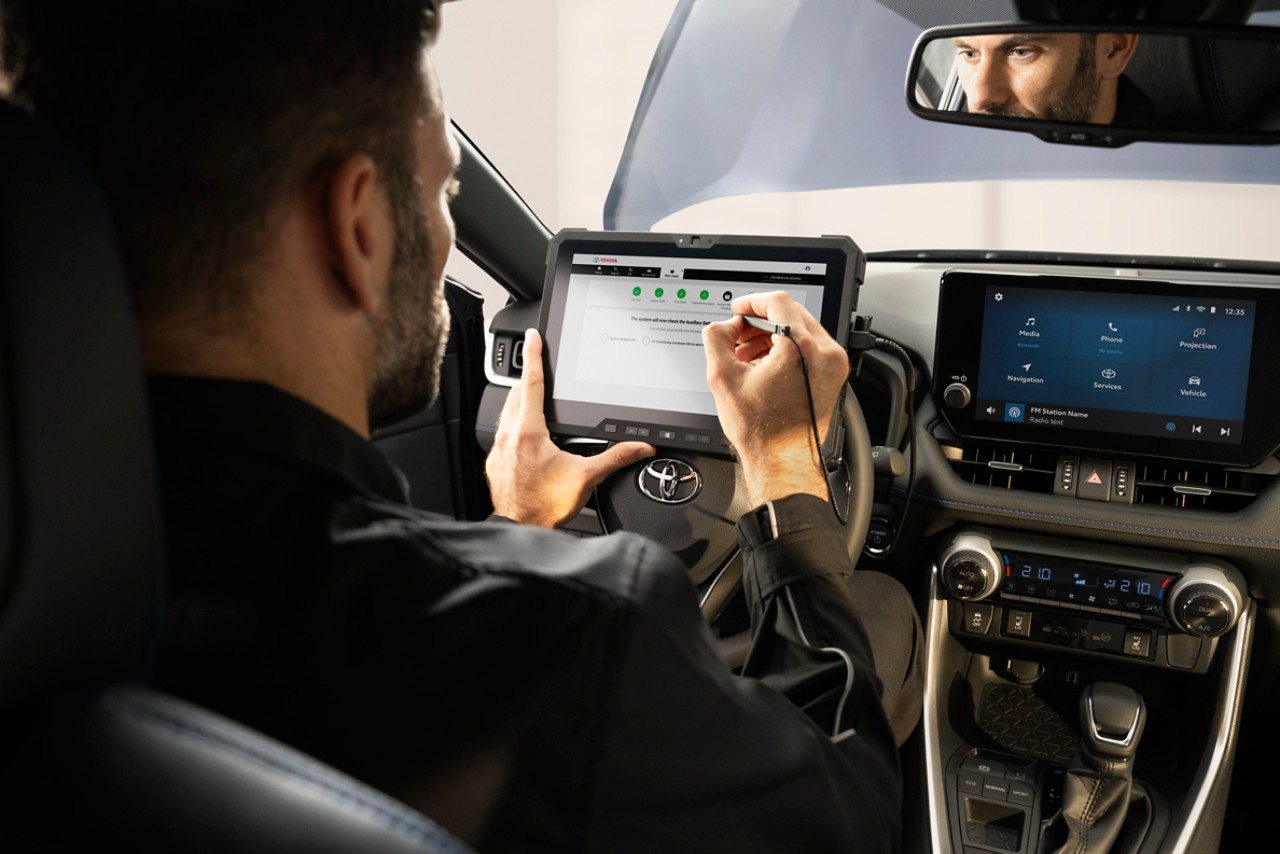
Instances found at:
x=622 y=317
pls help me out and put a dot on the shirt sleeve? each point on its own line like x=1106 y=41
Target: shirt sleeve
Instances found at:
x=808 y=643
x=689 y=755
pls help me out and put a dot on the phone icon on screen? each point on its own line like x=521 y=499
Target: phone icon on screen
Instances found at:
x=1112 y=327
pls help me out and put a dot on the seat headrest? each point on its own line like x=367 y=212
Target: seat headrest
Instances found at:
x=79 y=533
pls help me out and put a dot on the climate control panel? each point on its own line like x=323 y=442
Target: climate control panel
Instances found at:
x=1150 y=608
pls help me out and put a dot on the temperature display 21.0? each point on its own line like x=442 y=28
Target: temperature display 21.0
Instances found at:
x=1086 y=585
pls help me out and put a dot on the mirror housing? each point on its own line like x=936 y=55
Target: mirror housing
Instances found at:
x=1104 y=84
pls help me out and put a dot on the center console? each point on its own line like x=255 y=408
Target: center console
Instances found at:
x=1020 y=627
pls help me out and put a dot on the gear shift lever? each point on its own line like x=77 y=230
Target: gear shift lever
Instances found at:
x=1096 y=793
x=1112 y=716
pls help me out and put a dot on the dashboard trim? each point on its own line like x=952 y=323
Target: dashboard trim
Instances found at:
x=937 y=633
x=1226 y=721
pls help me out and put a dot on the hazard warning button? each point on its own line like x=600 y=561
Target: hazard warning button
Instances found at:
x=1093 y=479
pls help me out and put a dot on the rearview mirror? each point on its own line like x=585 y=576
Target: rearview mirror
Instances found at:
x=1105 y=85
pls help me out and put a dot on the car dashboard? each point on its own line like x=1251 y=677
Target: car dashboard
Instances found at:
x=1045 y=561
x=1050 y=564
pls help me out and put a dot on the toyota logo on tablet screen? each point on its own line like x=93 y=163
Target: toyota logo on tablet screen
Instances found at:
x=670 y=481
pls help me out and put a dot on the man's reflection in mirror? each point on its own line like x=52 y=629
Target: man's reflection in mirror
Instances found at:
x=1067 y=77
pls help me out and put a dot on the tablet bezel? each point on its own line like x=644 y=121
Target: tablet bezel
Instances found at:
x=677 y=429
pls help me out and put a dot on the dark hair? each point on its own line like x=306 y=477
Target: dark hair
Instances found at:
x=198 y=117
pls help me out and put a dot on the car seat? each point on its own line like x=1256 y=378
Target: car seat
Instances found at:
x=91 y=755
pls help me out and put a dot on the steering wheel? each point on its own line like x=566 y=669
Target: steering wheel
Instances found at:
x=701 y=530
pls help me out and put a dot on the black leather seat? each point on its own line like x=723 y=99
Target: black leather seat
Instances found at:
x=90 y=755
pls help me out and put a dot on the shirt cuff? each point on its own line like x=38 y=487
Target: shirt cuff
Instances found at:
x=793 y=539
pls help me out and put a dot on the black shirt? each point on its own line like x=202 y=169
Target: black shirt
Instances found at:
x=306 y=599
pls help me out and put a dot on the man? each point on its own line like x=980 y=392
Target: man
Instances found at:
x=1065 y=77
x=279 y=174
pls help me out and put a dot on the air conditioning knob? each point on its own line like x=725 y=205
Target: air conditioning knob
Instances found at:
x=971 y=569
x=1205 y=603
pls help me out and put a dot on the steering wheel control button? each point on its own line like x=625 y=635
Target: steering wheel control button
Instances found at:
x=975 y=618
x=957 y=395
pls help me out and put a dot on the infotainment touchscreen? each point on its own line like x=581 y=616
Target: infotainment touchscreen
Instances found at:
x=622 y=317
x=1142 y=367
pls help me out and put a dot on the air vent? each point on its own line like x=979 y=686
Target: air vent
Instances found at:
x=1005 y=467
x=1156 y=482
x=1196 y=487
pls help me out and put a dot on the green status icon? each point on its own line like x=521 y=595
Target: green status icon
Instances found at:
x=680 y=294
x=658 y=292
x=703 y=296
x=635 y=292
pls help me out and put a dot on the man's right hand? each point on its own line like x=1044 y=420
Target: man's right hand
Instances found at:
x=759 y=388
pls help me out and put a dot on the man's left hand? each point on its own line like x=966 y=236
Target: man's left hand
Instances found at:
x=530 y=479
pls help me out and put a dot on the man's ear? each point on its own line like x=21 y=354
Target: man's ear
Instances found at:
x=359 y=231
x=1114 y=52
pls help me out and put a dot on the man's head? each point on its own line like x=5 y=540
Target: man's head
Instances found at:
x=204 y=121
x=1069 y=77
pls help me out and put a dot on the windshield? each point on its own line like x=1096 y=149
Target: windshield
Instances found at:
x=763 y=120
x=789 y=117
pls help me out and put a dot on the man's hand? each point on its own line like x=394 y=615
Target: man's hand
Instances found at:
x=530 y=479
x=759 y=388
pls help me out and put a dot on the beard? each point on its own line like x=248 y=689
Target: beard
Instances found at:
x=411 y=334
x=1077 y=101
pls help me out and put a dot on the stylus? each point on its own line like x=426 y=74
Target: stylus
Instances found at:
x=767 y=325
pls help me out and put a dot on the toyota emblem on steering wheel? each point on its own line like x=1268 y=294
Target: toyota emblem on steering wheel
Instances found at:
x=670 y=481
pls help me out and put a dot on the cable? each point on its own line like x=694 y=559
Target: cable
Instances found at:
x=841 y=517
